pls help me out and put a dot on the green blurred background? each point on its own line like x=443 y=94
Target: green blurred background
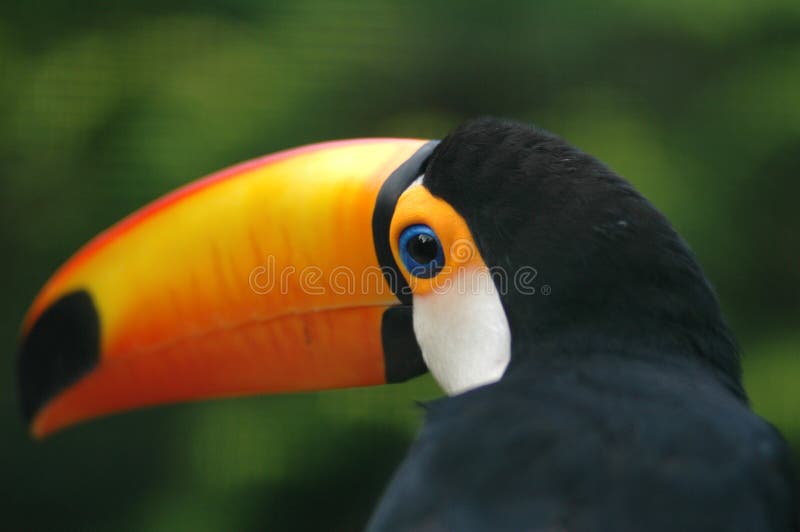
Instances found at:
x=107 y=105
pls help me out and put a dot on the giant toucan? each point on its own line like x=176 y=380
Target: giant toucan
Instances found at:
x=592 y=383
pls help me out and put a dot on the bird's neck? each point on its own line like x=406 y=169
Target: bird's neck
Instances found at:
x=710 y=350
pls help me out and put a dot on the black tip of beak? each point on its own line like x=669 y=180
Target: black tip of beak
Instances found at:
x=61 y=346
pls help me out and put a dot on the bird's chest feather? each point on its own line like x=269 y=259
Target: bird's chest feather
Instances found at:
x=582 y=452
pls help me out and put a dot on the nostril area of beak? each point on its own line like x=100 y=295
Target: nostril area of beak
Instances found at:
x=62 y=346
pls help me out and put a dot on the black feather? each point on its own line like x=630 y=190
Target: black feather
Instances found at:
x=622 y=408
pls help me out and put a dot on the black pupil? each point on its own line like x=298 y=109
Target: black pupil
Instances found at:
x=423 y=248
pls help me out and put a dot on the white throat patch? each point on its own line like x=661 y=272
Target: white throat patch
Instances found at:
x=463 y=332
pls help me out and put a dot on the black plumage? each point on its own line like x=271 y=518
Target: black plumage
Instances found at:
x=622 y=408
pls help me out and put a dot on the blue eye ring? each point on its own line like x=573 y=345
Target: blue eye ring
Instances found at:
x=421 y=251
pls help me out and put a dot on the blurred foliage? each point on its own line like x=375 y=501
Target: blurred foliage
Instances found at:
x=107 y=105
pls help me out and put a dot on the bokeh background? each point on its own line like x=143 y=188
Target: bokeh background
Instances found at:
x=106 y=105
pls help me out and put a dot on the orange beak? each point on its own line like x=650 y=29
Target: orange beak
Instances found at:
x=271 y=276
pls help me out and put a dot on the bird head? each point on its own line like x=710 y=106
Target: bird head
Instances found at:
x=583 y=261
x=362 y=262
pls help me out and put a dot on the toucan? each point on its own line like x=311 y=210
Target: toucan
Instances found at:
x=591 y=381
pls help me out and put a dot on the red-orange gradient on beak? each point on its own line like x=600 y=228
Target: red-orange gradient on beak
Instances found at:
x=260 y=278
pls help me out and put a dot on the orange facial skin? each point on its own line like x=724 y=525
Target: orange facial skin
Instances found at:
x=418 y=206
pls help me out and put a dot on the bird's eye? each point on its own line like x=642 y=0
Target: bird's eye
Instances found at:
x=421 y=251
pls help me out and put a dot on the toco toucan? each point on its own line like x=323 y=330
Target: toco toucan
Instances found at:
x=592 y=383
